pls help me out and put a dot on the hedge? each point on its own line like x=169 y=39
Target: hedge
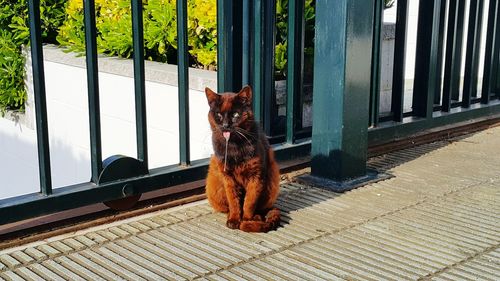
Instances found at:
x=114 y=26
x=14 y=33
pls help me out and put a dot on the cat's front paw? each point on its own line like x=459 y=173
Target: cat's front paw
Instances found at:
x=233 y=223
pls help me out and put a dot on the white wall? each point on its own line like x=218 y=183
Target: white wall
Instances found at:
x=388 y=54
x=69 y=129
x=390 y=16
x=18 y=160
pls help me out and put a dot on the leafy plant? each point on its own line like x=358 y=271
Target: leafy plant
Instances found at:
x=14 y=33
x=389 y=3
x=113 y=23
x=12 y=92
x=280 y=56
x=202 y=32
x=160 y=30
x=114 y=30
x=282 y=33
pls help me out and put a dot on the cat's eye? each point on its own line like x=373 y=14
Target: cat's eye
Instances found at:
x=219 y=116
x=236 y=115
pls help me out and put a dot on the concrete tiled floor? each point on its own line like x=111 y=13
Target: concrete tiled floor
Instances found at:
x=438 y=218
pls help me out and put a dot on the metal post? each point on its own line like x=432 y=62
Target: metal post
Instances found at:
x=225 y=49
x=495 y=77
x=295 y=66
x=230 y=46
x=491 y=48
x=139 y=83
x=426 y=66
x=472 y=54
x=183 y=81
x=378 y=19
x=245 y=44
x=440 y=50
x=453 y=62
x=93 y=89
x=398 y=75
x=262 y=68
x=40 y=99
x=342 y=74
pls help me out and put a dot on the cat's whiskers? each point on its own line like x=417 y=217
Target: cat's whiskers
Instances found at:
x=247 y=133
x=239 y=133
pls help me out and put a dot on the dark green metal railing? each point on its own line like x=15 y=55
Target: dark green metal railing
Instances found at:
x=443 y=100
x=346 y=99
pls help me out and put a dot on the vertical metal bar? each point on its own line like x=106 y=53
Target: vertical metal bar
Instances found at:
x=472 y=54
x=343 y=49
x=440 y=47
x=269 y=94
x=245 y=75
x=426 y=72
x=491 y=48
x=40 y=98
x=182 y=70
x=237 y=45
x=495 y=82
x=398 y=76
x=459 y=46
x=93 y=89
x=139 y=82
x=497 y=71
x=225 y=76
x=454 y=41
x=378 y=20
x=264 y=14
x=258 y=60
x=295 y=72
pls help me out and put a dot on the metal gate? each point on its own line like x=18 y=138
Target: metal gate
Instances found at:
x=345 y=89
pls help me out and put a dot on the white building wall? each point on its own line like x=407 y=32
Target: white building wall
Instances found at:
x=390 y=16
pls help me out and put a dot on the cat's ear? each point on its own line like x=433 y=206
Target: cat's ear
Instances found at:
x=212 y=96
x=245 y=95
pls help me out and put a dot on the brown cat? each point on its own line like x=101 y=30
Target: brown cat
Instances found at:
x=243 y=177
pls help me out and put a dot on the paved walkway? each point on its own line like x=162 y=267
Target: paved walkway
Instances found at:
x=437 y=219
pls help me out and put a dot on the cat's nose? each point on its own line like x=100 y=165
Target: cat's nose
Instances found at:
x=225 y=125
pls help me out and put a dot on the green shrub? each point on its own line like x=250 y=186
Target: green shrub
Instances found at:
x=160 y=30
x=12 y=92
x=202 y=32
x=14 y=33
x=113 y=23
x=114 y=27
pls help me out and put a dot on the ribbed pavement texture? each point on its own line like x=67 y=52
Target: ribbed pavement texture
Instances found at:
x=438 y=218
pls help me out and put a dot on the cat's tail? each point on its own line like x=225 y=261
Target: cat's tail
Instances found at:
x=271 y=222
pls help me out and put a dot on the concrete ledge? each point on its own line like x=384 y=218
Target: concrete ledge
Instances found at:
x=155 y=71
